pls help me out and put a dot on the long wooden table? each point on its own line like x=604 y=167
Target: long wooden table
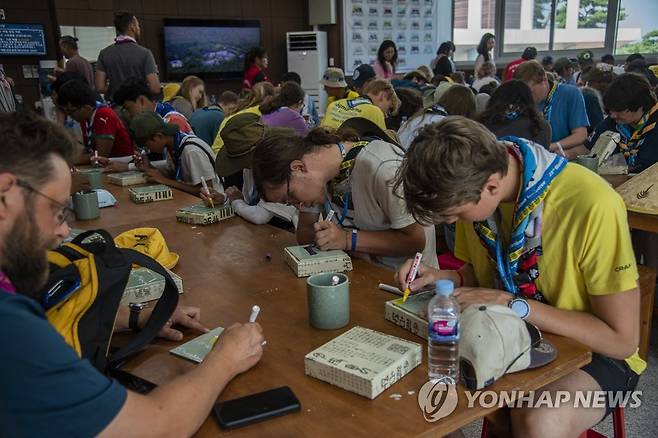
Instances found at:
x=225 y=271
x=637 y=221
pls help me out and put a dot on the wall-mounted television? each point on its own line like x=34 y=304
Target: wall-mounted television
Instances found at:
x=208 y=48
x=22 y=39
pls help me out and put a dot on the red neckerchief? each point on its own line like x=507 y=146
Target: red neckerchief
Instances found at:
x=122 y=39
x=5 y=284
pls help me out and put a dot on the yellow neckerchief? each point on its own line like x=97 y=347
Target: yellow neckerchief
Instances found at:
x=641 y=128
x=548 y=102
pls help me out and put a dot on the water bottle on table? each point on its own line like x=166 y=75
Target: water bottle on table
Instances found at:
x=443 y=337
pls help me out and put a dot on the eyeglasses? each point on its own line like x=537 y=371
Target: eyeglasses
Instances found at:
x=64 y=213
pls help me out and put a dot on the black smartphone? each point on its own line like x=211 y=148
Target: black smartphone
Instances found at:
x=256 y=407
x=132 y=382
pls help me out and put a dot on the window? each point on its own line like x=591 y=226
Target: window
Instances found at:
x=479 y=17
x=638 y=27
x=91 y=39
x=527 y=23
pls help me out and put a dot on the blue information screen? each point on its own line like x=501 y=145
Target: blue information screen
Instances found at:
x=22 y=39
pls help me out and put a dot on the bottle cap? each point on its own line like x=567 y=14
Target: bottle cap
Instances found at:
x=445 y=287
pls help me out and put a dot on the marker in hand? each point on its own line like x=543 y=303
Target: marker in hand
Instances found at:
x=252 y=318
x=330 y=216
x=411 y=276
x=207 y=192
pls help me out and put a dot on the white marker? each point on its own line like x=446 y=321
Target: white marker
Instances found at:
x=335 y=280
x=330 y=216
x=206 y=191
x=254 y=313
x=559 y=146
x=391 y=289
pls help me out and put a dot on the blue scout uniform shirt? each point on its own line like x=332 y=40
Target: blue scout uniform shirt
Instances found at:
x=45 y=388
x=566 y=111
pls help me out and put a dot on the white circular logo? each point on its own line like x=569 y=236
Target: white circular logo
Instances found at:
x=438 y=399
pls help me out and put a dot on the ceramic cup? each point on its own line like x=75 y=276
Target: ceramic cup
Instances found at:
x=328 y=300
x=85 y=205
x=95 y=178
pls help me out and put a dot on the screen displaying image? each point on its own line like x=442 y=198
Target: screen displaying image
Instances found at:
x=208 y=48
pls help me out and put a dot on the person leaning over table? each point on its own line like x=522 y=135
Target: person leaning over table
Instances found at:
x=350 y=174
x=563 y=107
x=559 y=271
x=45 y=388
x=241 y=135
x=188 y=159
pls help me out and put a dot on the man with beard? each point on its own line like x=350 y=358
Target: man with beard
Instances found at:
x=45 y=388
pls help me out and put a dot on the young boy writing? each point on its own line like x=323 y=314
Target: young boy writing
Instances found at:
x=533 y=229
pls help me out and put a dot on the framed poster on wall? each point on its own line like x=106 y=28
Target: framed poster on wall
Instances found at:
x=411 y=24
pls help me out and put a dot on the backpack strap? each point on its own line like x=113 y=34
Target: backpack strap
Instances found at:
x=162 y=311
x=187 y=140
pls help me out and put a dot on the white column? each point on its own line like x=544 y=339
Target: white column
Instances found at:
x=572 y=14
x=527 y=14
x=475 y=16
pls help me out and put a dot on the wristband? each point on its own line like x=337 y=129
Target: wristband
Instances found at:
x=354 y=234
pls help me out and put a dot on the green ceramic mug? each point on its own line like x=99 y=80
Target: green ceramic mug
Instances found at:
x=95 y=178
x=328 y=297
x=85 y=205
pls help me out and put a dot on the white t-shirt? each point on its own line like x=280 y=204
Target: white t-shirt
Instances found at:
x=409 y=129
x=195 y=163
x=376 y=207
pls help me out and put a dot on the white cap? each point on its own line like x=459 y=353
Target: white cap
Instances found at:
x=495 y=341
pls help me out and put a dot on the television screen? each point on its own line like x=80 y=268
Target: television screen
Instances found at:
x=22 y=39
x=208 y=48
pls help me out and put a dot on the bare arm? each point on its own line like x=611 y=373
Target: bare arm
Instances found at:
x=154 y=83
x=180 y=407
x=577 y=138
x=612 y=329
x=101 y=81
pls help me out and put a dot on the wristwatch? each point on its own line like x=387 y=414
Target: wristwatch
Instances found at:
x=133 y=319
x=520 y=307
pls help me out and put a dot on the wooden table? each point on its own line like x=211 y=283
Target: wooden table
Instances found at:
x=225 y=272
x=127 y=213
x=637 y=221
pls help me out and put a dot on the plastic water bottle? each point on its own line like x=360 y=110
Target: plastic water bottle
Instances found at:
x=443 y=337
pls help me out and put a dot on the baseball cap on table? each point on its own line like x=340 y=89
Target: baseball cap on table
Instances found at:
x=362 y=74
x=334 y=78
x=146 y=124
x=495 y=341
x=240 y=135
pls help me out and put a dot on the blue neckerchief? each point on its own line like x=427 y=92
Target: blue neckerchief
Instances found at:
x=178 y=140
x=540 y=168
x=163 y=108
x=512 y=115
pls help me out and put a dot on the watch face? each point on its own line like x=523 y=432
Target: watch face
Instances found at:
x=520 y=307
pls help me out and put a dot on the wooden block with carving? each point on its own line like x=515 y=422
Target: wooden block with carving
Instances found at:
x=640 y=193
x=145 y=285
x=363 y=361
x=157 y=193
x=130 y=178
x=200 y=214
x=307 y=260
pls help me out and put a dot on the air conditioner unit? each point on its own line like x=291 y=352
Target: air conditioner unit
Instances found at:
x=307 y=56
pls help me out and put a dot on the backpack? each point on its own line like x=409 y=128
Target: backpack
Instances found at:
x=82 y=296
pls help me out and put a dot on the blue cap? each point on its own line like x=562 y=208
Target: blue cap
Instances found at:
x=445 y=287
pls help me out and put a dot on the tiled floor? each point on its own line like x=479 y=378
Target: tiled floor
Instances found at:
x=640 y=422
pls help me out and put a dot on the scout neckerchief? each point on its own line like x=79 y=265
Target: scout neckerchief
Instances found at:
x=339 y=187
x=163 y=108
x=548 y=102
x=90 y=128
x=5 y=284
x=352 y=103
x=123 y=39
x=437 y=110
x=631 y=141
x=516 y=266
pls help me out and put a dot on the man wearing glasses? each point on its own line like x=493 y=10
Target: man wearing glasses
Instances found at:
x=45 y=388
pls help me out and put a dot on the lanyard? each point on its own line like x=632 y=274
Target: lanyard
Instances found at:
x=548 y=103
